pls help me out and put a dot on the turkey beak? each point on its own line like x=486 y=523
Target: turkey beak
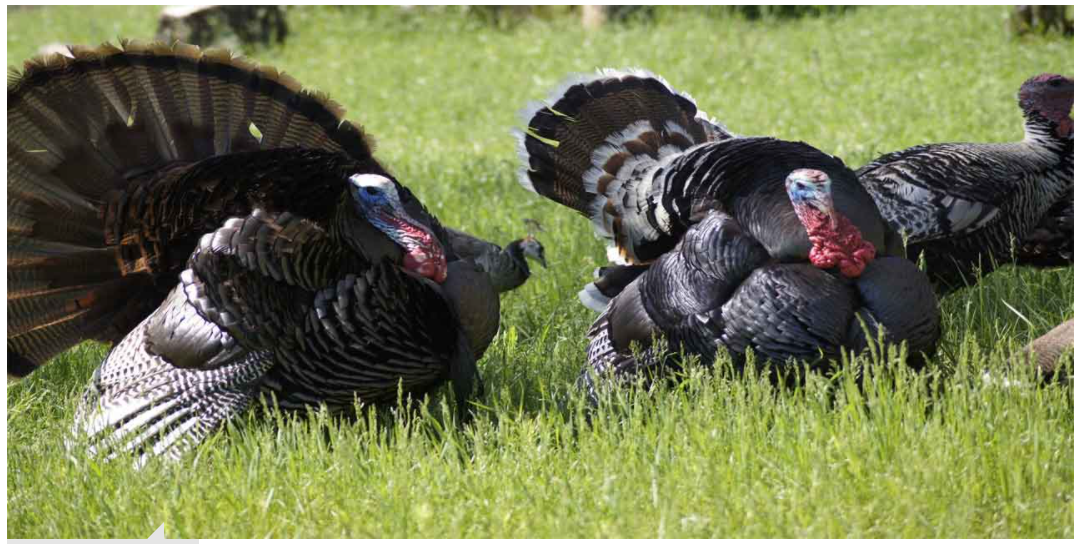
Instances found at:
x=538 y=257
x=533 y=250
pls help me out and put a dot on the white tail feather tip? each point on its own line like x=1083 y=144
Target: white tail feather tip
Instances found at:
x=593 y=299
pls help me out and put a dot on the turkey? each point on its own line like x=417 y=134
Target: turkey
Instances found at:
x=965 y=206
x=719 y=242
x=507 y=268
x=364 y=310
x=105 y=207
x=234 y=236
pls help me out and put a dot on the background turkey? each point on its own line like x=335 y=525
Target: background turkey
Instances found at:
x=713 y=250
x=507 y=268
x=962 y=204
x=123 y=161
x=105 y=207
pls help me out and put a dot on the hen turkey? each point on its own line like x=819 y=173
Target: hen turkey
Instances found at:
x=507 y=268
x=720 y=242
x=305 y=269
x=965 y=206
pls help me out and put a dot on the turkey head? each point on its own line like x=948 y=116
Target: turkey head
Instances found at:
x=1051 y=96
x=835 y=241
x=378 y=201
x=532 y=249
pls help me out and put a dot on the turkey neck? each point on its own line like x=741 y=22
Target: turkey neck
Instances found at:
x=1049 y=146
x=422 y=253
x=414 y=245
x=467 y=289
x=352 y=231
x=1055 y=136
x=835 y=241
x=513 y=262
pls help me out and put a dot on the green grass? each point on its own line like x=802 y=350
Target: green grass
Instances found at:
x=901 y=454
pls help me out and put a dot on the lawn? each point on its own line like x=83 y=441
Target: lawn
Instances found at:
x=940 y=453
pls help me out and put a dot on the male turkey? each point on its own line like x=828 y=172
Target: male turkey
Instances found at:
x=362 y=311
x=119 y=159
x=965 y=205
x=305 y=269
x=507 y=268
x=720 y=241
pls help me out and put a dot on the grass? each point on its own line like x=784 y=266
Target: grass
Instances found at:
x=898 y=454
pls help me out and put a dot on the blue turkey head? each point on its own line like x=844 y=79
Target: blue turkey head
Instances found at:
x=373 y=192
x=812 y=188
x=378 y=199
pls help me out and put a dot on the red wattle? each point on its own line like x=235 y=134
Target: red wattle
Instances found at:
x=842 y=247
x=425 y=263
x=426 y=258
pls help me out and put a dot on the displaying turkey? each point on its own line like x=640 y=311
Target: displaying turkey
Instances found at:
x=120 y=159
x=720 y=242
x=276 y=304
x=305 y=269
x=965 y=206
x=507 y=268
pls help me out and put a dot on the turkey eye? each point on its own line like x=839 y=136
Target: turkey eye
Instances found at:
x=1055 y=83
x=371 y=191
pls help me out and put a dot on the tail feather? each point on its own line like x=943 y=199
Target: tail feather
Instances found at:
x=594 y=146
x=609 y=282
x=32 y=309
x=44 y=323
x=30 y=180
x=26 y=231
x=75 y=150
x=97 y=137
x=49 y=340
x=39 y=271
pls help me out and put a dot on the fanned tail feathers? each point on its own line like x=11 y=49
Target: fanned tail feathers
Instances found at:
x=595 y=145
x=94 y=139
